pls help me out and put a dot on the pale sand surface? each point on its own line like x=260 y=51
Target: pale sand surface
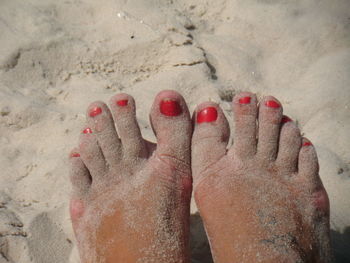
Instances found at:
x=58 y=56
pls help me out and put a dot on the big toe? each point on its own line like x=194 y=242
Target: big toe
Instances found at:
x=171 y=123
x=210 y=137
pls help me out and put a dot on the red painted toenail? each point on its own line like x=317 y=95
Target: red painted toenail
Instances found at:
x=75 y=155
x=95 y=111
x=209 y=114
x=170 y=107
x=244 y=100
x=122 y=103
x=272 y=104
x=307 y=144
x=285 y=119
x=87 y=130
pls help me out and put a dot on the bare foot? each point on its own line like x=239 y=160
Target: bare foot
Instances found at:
x=261 y=200
x=131 y=198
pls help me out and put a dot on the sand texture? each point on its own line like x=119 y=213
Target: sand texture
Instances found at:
x=58 y=56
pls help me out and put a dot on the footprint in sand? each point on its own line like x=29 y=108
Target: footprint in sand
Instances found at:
x=11 y=228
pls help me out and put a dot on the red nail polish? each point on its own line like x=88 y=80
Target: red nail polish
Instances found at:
x=75 y=155
x=122 y=103
x=95 y=111
x=87 y=130
x=285 y=119
x=272 y=104
x=307 y=144
x=209 y=114
x=244 y=100
x=170 y=107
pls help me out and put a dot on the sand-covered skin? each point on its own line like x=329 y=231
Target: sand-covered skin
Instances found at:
x=58 y=56
x=267 y=183
x=131 y=198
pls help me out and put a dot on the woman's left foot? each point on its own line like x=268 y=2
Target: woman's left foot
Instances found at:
x=262 y=200
x=131 y=198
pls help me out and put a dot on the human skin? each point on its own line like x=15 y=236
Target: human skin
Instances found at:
x=261 y=200
x=131 y=198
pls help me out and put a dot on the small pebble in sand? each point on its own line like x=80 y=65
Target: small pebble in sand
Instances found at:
x=5 y=111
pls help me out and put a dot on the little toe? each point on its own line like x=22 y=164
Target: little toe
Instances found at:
x=124 y=113
x=172 y=125
x=210 y=136
x=81 y=182
x=289 y=146
x=100 y=120
x=91 y=154
x=79 y=175
x=245 y=113
x=269 y=123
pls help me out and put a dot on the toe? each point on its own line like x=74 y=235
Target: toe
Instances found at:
x=245 y=114
x=289 y=146
x=100 y=120
x=308 y=166
x=172 y=125
x=79 y=176
x=310 y=180
x=210 y=136
x=123 y=110
x=81 y=182
x=270 y=115
x=91 y=153
x=321 y=201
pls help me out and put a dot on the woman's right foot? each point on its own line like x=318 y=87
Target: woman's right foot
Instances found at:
x=262 y=200
x=131 y=198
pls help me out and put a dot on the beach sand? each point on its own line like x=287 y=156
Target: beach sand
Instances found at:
x=58 y=56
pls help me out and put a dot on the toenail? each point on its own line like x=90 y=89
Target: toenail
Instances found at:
x=122 y=103
x=95 y=111
x=285 y=119
x=75 y=155
x=170 y=107
x=244 y=100
x=307 y=144
x=209 y=114
x=87 y=130
x=272 y=104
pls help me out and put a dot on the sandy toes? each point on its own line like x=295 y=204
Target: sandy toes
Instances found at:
x=131 y=198
x=262 y=199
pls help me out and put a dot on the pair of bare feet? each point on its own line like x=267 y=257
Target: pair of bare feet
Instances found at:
x=261 y=200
